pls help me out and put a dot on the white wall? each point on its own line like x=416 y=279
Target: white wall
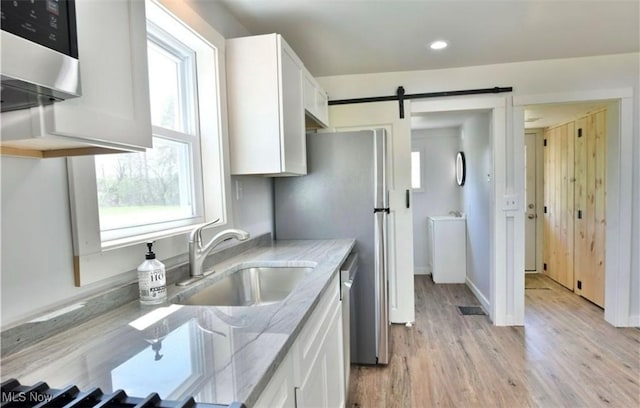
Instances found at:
x=527 y=78
x=476 y=199
x=441 y=193
x=36 y=255
x=218 y=16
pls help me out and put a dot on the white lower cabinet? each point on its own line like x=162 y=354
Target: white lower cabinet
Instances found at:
x=323 y=385
x=312 y=373
x=280 y=392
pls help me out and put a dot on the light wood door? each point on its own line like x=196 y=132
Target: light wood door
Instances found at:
x=558 y=217
x=590 y=194
x=575 y=194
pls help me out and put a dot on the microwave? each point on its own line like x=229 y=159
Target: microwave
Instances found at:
x=39 y=53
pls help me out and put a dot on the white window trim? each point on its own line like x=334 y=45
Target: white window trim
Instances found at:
x=92 y=261
x=421 y=189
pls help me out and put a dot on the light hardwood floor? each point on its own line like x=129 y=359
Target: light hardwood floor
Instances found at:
x=566 y=355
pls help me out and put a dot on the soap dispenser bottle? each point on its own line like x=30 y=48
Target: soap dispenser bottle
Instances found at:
x=152 y=280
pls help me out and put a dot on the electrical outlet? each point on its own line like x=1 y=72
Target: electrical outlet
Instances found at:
x=510 y=202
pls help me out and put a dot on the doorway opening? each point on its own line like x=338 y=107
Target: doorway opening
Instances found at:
x=565 y=193
x=443 y=208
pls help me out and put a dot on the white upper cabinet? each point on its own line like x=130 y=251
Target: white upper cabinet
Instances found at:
x=316 y=103
x=113 y=112
x=265 y=107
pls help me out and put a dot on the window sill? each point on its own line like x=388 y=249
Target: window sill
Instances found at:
x=142 y=238
x=120 y=259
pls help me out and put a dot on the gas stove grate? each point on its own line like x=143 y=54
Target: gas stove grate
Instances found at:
x=40 y=395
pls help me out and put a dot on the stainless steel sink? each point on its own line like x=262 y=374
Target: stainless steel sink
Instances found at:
x=249 y=287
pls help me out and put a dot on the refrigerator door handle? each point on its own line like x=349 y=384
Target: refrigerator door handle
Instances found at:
x=381 y=295
x=408 y=198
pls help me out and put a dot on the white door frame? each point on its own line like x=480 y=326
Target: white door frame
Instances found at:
x=507 y=247
x=506 y=300
x=619 y=200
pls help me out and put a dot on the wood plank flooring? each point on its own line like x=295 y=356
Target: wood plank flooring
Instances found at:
x=566 y=355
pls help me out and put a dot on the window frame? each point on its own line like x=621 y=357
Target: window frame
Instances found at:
x=420 y=151
x=190 y=136
x=117 y=259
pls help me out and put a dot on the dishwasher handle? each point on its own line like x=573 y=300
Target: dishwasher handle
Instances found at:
x=349 y=268
x=347 y=273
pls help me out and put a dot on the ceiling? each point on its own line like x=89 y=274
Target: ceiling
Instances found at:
x=337 y=37
x=541 y=116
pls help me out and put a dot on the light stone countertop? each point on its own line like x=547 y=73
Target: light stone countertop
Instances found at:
x=215 y=354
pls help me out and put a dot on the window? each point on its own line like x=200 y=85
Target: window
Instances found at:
x=120 y=201
x=162 y=188
x=416 y=170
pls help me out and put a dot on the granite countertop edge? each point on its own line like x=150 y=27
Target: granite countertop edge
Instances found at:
x=326 y=255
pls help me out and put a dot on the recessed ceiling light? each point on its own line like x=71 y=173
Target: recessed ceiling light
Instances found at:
x=438 y=45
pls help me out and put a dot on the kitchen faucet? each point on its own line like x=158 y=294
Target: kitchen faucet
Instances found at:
x=198 y=252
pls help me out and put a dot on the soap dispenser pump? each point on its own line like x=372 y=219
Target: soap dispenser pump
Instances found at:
x=152 y=279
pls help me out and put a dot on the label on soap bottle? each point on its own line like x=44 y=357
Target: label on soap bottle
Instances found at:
x=152 y=285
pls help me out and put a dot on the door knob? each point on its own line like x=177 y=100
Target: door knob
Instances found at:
x=531 y=216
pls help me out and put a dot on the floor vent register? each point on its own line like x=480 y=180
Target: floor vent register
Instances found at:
x=471 y=311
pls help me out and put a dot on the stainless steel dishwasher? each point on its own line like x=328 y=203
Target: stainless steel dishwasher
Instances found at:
x=348 y=272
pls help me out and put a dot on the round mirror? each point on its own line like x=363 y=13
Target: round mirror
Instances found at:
x=461 y=169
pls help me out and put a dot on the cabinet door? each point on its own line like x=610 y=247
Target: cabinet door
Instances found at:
x=323 y=383
x=316 y=102
x=114 y=106
x=280 y=392
x=333 y=349
x=322 y=106
x=313 y=390
x=309 y=92
x=293 y=140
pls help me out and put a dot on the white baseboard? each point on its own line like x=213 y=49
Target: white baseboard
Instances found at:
x=634 y=321
x=421 y=270
x=476 y=292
